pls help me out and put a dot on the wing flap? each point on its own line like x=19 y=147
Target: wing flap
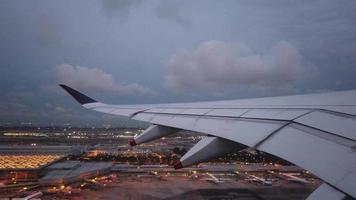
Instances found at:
x=320 y=156
x=326 y=192
x=335 y=123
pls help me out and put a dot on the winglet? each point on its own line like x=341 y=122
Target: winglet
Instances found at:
x=81 y=98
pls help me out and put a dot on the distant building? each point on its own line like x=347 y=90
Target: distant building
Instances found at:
x=26 y=163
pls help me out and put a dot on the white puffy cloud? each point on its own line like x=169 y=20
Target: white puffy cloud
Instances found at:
x=95 y=79
x=216 y=63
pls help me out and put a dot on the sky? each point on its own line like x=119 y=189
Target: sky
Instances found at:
x=162 y=51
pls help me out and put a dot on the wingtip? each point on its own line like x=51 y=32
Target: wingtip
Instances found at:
x=62 y=85
x=81 y=98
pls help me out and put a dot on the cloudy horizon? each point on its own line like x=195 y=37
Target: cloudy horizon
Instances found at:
x=134 y=51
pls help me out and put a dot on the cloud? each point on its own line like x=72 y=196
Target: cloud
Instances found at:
x=120 y=8
x=172 y=11
x=217 y=63
x=48 y=35
x=95 y=79
x=63 y=110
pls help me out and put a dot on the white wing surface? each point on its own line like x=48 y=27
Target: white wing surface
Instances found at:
x=316 y=131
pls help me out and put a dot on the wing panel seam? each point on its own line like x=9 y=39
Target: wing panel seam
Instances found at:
x=270 y=135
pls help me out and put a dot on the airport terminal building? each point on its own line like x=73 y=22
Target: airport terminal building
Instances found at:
x=26 y=163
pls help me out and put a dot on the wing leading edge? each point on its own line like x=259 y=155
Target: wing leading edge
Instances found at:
x=316 y=132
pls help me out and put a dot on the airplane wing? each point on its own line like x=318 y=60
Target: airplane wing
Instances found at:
x=315 y=131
